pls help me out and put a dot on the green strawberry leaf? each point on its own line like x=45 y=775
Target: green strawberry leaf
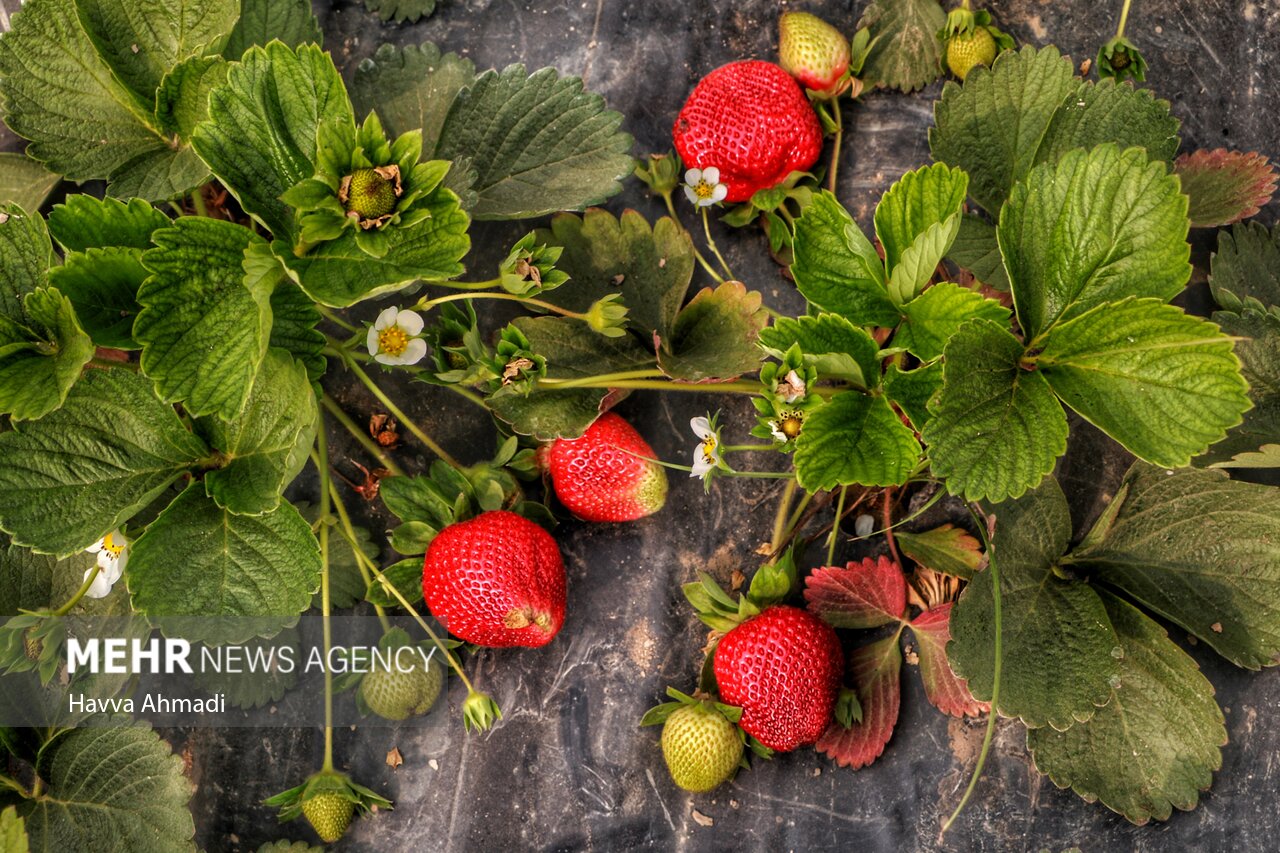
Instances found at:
x=1225 y=186
x=875 y=671
x=714 y=336
x=411 y=87
x=254 y=574
x=261 y=21
x=401 y=11
x=26 y=579
x=1126 y=365
x=830 y=343
x=929 y=320
x=1050 y=625
x=182 y=101
x=1199 y=549
x=338 y=273
x=603 y=254
x=83 y=222
x=916 y=222
x=548 y=414
x=1245 y=271
x=259 y=688
x=346 y=581
x=110 y=788
x=23 y=181
x=260 y=136
x=1094 y=227
x=539 y=143
x=405 y=576
x=204 y=324
x=265 y=447
x=294 y=318
x=1029 y=109
x=102 y=285
x=946 y=549
x=141 y=40
x=944 y=690
x=836 y=268
x=40 y=363
x=912 y=390
x=860 y=595
x=13 y=832
x=996 y=429
x=25 y=256
x=82 y=470
x=100 y=127
x=1155 y=744
x=855 y=438
x=904 y=49
x=1255 y=442
x=976 y=250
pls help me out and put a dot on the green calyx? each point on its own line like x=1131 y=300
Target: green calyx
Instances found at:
x=1120 y=59
x=328 y=800
x=366 y=184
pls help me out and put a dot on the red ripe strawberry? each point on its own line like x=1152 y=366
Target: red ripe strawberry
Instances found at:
x=496 y=580
x=783 y=668
x=601 y=477
x=751 y=121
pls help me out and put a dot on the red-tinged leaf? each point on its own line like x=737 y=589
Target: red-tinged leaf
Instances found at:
x=949 y=694
x=1225 y=186
x=861 y=595
x=947 y=549
x=874 y=671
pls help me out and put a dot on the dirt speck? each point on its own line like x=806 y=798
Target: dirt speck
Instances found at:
x=702 y=820
x=640 y=644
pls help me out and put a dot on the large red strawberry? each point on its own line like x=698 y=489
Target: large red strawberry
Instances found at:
x=606 y=474
x=751 y=121
x=496 y=580
x=783 y=668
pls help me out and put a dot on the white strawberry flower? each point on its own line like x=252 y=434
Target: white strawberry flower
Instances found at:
x=393 y=337
x=703 y=187
x=113 y=556
x=706 y=456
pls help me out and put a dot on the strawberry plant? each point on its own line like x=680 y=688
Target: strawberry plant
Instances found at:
x=172 y=356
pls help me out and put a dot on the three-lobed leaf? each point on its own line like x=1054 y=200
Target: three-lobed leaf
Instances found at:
x=855 y=438
x=875 y=671
x=944 y=689
x=859 y=595
x=836 y=268
x=1225 y=186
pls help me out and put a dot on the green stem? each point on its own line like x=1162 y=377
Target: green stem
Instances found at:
x=796 y=514
x=326 y=485
x=836 y=145
x=197 y=201
x=937 y=496
x=835 y=527
x=468 y=395
x=399 y=415
x=735 y=448
x=711 y=244
x=595 y=381
x=465 y=285
x=780 y=517
x=338 y=321
x=361 y=436
x=428 y=304
x=6 y=782
x=1124 y=18
x=995 y=685
x=737 y=387
x=349 y=533
x=80 y=593
x=671 y=211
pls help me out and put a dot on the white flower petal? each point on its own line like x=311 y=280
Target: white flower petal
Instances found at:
x=100 y=588
x=690 y=194
x=386 y=319
x=701 y=465
x=777 y=433
x=692 y=176
x=96 y=546
x=410 y=321
x=701 y=427
x=372 y=341
x=864 y=524
x=414 y=352
x=383 y=358
x=705 y=202
x=719 y=192
x=711 y=175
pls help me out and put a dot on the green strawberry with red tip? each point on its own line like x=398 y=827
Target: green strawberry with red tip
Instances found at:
x=496 y=580
x=607 y=474
x=783 y=667
x=813 y=52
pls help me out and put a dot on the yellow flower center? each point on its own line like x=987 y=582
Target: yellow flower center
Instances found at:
x=791 y=423
x=393 y=340
x=703 y=189
x=112 y=546
x=709 y=449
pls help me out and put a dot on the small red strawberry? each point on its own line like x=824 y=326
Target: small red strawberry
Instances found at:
x=751 y=121
x=813 y=51
x=602 y=477
x=496 y=580
x=783 y=668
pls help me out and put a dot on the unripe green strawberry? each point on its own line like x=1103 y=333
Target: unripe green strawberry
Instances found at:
x=813 y=52
x=370 y=195
x=701 y=747
x=434 y=681
x=394 y=695
x=966 y=51
x=329 y=815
